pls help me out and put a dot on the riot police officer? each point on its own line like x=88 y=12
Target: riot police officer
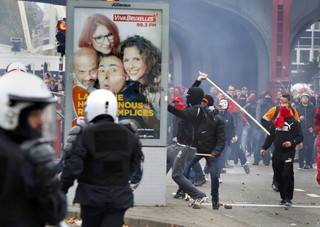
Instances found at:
x=30 y=193
x=102 y=159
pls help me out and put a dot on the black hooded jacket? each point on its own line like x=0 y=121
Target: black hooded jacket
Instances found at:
x=190 y=117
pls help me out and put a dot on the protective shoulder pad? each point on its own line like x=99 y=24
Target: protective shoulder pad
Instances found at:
x=38 y=151
x=76 y=130
x=129 y=125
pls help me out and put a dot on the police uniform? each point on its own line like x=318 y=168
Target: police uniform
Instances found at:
x=103 y=158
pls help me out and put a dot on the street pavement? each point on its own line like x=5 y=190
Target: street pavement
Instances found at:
x=250 y=197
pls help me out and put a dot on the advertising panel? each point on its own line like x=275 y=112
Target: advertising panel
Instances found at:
x=121 y=47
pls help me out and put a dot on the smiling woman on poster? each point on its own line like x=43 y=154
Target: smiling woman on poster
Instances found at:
x=100 y=33
x=142 y=63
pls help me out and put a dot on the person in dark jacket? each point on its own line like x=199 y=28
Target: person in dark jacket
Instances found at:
x=306 y=112
x=265 y=103
x=285 y=134
x=104 y=157
x=185 y=149
x=30 y=192
x=213 y=146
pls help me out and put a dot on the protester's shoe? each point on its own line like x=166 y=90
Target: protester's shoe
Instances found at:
x=236 y=161
x=215 y=203
x=187 y=197
x=196 y=204
x=310 y=166
x=227 y=165
x=306 y=167
x=255 y=163
x=246 y=168
x=282 y=202
x=220 y=180
x=289 y=203
x=223 y=171
x=200 y=183
x=180 y=194
x=275 y=187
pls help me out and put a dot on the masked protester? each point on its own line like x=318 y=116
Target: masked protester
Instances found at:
x=103 y=159
x=285 y=134
x=30 y=192
x=182 y=152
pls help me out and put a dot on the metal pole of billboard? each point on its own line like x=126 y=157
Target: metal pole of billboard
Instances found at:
x=60 y=122
x=240 y=107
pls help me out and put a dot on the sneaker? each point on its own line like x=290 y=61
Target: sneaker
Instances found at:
x=275 y=187
x=227 y=165
x=180 y=194
x=200 y=183
x=215 y=204
x=306 y=167
x=220 y=180
x=282 y=202
x=289 y=203
x=255 y=163
x=310 y=166
x=246 y=168
x=196 y=204
x=223 y=171
x=187 y=197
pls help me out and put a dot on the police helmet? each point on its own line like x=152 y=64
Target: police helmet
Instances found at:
x=101 y=102
x=20 y=93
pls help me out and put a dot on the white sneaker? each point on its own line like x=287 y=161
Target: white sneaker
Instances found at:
x=220 y=180
x=207 y=176
x=196 y=204
x=246 y=168
x=187 y=197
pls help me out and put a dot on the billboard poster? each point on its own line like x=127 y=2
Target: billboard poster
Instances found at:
x=119 y=47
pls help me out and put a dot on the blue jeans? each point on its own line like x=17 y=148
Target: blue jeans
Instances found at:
x=213 y=169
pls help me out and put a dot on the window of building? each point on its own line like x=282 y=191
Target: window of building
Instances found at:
x=304 y=56
x=316 y=42
x=305 y=42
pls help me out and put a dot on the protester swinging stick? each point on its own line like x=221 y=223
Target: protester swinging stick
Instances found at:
x=240 y=107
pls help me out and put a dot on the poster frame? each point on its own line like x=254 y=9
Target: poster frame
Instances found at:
x=160 y=6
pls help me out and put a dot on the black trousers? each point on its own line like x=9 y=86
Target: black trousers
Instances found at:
x=282 y=164
x=101 y=216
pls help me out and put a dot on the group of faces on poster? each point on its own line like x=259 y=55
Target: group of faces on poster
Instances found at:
x=131 y=67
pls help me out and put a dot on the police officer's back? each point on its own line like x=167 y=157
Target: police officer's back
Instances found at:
x=30 y=194
x=103 y=160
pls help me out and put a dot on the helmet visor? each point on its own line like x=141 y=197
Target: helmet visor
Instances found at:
x=49 y=122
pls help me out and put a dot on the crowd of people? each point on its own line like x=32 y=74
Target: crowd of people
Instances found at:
x=293 y=128
x=106 y=157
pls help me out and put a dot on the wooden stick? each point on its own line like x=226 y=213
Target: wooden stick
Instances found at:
x=240 y=107
x=202 y=154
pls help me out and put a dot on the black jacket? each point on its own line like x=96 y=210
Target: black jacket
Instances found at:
x=30 y=194
x=190 y=120
x=216 y=143
x=291 y=131
x=308 y=113
x=229 y=125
